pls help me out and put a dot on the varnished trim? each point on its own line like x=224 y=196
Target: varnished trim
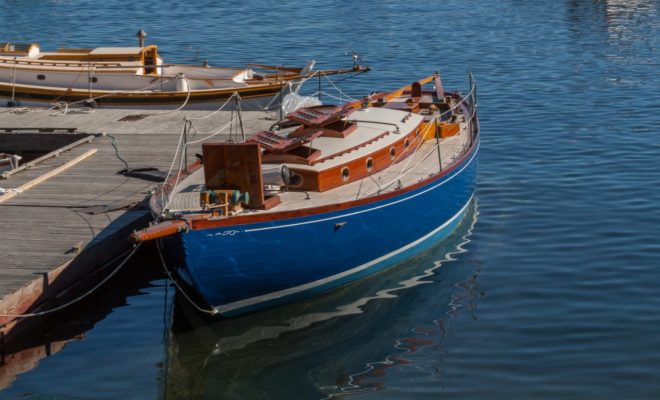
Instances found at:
x=137 y=97
x=266 y=217
x=161 y=230
x=328 y=177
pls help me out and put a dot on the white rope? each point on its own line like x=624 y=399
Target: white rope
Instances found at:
x=219 y=131
x=92 y=290
x=219 y=109
x=182 y=148
x=176 y=181
x=4 y=191
x=340 y=99
x=182 y=105
x=114 y=93
x=463 y=100
x=181 y=162
x=322 y=73
x=65 y=109
x=336 y=88
x=302 y=81
x=169 y=172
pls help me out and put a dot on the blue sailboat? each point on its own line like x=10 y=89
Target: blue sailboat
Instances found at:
x=326 y=196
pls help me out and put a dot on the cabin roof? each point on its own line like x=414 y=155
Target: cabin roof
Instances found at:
x=116 y=51
x=366 y=132
x=17 y=48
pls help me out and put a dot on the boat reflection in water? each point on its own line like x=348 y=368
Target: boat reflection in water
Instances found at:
x=340 y=343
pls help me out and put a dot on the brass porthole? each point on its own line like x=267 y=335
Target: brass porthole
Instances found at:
x=406 y=143
x=392 y=153
x=345 y=174
x=370 y=164
x=296 y=180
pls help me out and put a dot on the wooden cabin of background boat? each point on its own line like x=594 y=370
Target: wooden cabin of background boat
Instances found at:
x=138 y=77
x=108 y=68
x=147 y=56
x=20 y=50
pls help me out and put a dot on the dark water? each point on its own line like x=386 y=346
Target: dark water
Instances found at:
x=551 y=287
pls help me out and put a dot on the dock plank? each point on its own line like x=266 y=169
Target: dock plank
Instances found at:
x=39 y=227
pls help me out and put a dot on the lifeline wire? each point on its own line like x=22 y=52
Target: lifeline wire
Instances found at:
x=181 y=158
x=469 y=121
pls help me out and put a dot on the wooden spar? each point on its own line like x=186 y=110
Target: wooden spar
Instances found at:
x=47 y=175
x=397 y=93
x=326 y=72
x=276 y=68
x=390 y=95
x=161 y=230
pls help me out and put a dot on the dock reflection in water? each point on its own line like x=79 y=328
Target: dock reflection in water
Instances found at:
x=50 y=335
x=338 y=344
x=341 y=343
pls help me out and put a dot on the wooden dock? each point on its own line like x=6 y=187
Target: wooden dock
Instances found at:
x=57 y=234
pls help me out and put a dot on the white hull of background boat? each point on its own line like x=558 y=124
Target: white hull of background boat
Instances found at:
x=122 y=77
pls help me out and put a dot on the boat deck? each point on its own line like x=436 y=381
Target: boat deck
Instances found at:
x=419 y=165
x=368 y=136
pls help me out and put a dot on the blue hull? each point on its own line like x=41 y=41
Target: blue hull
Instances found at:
x=242 y=268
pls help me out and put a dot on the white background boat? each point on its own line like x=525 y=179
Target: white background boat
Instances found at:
x=137 y=77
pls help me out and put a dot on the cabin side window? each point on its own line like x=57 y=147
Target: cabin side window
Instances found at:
x=345 y=174
x=370 y=164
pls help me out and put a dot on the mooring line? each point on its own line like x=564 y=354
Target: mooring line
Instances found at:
x=211 y=311
x=92 y=290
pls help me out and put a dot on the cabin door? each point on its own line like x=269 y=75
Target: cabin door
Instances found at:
x=150 y=60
